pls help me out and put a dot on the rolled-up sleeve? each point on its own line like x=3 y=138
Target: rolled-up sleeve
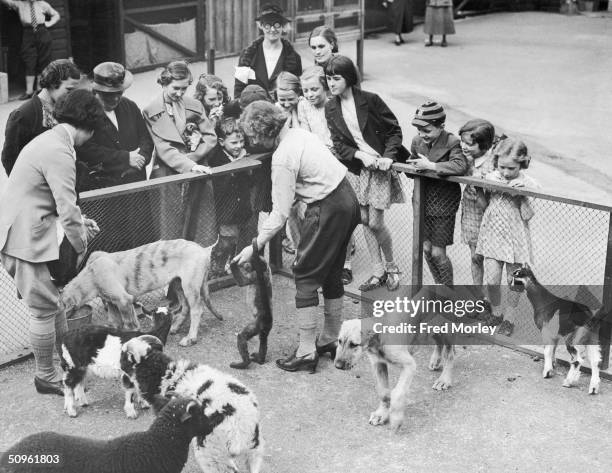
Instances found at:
x=283 y=195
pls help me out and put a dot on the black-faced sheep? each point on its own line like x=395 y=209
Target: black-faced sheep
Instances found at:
x=237 y=436
x=96 y=349
x=163 y=448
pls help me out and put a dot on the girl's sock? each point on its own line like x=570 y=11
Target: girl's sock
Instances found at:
x=332 y=310
x=445 y=270
x=433 y=268
x=307 y=320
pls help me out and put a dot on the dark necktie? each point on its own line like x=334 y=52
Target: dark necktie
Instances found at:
x=33 y=20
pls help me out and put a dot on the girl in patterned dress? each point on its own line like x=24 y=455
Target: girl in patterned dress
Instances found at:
x=504 y=237
x=476 y=141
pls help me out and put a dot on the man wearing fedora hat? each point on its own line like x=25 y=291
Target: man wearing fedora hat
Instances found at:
x=121 y=146
x=267 y=56
x=117 y=153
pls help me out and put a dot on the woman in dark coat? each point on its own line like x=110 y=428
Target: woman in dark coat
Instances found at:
x=367 y=139
x=401 y=18
x=267 y=56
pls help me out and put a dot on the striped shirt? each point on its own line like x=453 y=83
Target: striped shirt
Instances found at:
x=41 y=10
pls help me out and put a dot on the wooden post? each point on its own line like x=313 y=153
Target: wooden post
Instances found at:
x=605 y=332
x=210 y=61
x=360 y=57
x=121 y=20
x=418 y=211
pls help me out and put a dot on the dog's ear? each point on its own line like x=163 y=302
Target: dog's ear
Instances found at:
x=526 y=266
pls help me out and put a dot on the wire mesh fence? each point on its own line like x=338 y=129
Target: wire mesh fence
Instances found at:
x=197 y=208
x=565 y=241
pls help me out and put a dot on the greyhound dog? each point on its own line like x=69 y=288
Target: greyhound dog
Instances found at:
x=119 y=277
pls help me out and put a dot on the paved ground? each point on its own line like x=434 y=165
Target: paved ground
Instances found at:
x=543 y=76
x=499 y=416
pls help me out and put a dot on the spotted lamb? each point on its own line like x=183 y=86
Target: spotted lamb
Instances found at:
x=96 y=349
x=238 y=436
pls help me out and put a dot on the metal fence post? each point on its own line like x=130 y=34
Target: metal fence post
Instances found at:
x=605 y=332
x=418 y=209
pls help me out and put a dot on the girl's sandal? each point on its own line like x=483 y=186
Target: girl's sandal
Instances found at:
x=373 y=282
x=393 y=278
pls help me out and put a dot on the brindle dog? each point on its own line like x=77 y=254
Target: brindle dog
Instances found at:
x=257 y=272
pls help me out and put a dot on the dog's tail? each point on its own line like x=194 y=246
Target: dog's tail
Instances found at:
x=204 y=292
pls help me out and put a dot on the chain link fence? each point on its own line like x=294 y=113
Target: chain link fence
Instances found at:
x=197 y=208
x=565 y=241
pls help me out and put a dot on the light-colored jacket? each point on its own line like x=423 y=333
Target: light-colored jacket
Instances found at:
x=171 y=155
x=40 y=192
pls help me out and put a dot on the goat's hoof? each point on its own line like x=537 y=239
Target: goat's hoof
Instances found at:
x=567 y=384
x=187 y=342
x=377 y=418
x=594 y=389
x=435 y=366
x=547 y=374
x=441 y=384
x=131 y=414
x=71 y=412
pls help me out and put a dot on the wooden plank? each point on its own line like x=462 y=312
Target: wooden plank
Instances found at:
x=164 y=39
x=244 y=164
x=409 y=170
x=171 y=6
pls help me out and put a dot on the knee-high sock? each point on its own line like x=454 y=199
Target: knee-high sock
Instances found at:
x=61 y=327
x=333 y=320
x=445 y=270
x=307 y=320
x=42 y=339
x=433 y=267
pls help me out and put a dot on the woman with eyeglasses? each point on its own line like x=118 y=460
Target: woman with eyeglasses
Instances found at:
x=267 y=56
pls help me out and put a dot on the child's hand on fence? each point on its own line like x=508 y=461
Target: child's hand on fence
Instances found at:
x=198 y=168
x=422 y=163
x=369 y=161
x=384 y=164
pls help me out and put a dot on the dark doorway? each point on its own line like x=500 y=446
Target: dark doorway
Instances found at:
x=94 y=32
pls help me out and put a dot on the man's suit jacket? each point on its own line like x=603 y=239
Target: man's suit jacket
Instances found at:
x=23 y=124
x=171 y=154
x=441 y=197
x=378 y=125
x=109 y=148
x=41 y=191
x=253 y=57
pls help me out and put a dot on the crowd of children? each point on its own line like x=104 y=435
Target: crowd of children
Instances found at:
x=364 y=134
